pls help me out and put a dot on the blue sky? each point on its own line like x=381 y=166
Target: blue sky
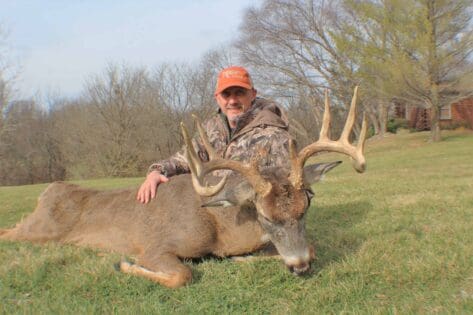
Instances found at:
x=57 y=44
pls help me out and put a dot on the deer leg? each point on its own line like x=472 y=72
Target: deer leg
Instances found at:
x=20 y=233
x=8 y=234
x=167 y=270
x=253 y=258
x=268 y=253
x=3 y=233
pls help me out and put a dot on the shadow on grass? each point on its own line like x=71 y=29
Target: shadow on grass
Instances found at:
x=332 y=231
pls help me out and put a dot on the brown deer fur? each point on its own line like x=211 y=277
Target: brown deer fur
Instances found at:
x=158 y=233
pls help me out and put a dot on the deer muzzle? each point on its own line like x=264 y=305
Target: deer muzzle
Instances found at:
x=299 y=269
x=300 y=264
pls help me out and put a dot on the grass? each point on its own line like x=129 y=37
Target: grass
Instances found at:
x=397 y=239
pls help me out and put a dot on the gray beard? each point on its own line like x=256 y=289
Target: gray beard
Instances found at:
x=235 y=119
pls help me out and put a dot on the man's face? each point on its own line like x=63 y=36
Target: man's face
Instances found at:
x=234 y=101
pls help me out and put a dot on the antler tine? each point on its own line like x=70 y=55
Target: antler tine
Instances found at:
x=205 y=140
x=192 y=155
x=196 y=168
x=358 y=160
x=326 y=118
x=359 y=163
x=350 y=119
x=325 y=144
x=296 y=168
x=297 y=163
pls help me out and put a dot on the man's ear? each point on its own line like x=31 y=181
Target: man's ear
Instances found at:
x=232 y=196
x=315 y=172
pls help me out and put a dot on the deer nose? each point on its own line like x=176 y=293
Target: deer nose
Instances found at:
x=300 y=268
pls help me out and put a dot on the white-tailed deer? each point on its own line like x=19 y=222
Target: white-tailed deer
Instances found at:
x=187 y=219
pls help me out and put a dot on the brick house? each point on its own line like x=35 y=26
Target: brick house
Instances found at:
x=451 y=116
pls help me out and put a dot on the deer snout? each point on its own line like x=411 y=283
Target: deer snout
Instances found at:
x=298 y=265
x=300 y=268
x=301 y=264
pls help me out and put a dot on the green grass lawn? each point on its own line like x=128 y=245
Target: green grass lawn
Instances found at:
x=397 y=239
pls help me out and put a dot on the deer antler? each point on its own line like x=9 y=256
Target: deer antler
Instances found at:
x=342 y=145
x=199 y=170
x=196 y=168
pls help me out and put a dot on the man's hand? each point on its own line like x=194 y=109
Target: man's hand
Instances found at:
x=149 y=187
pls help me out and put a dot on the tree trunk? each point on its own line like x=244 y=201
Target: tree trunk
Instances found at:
x=433 y=71
x=435 y=124
x=383 y=118
x=374 y=123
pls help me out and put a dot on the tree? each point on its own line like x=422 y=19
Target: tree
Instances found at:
x=417 y=51
x=30 y=154
x=291 y=45
x=114 y=102
x=179 y=91
x=365 y=37
x=128 y=118
x=6 y=81
x=432 y=48
x=4 y=99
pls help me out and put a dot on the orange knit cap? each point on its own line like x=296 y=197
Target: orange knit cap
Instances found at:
x=233 y=76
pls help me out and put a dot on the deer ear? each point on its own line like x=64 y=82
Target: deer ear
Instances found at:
x=315 y=172
x=239 y=195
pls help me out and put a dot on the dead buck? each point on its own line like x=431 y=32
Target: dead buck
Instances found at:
x=186 y=220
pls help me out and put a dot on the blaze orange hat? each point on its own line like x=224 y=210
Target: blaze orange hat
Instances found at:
x=233 y=76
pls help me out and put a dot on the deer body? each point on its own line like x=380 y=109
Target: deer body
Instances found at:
x=238 y=215
x=163 y=228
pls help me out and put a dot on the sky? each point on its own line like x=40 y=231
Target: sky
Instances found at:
x=55 y=45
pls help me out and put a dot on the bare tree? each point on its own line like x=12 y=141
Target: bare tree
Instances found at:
x=5 y=93
x=126 y=118
x=181 y=89
x=115 y=100
x=30 y=155
x=4 y=99
x=290 y=44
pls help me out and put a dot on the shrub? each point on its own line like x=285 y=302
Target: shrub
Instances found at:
x=395 y=123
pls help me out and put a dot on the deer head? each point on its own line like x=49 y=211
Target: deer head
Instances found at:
x=281 y=197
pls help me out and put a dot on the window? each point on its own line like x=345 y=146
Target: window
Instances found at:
x=446 y=112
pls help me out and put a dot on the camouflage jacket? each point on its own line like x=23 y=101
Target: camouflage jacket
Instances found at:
x=261 y=133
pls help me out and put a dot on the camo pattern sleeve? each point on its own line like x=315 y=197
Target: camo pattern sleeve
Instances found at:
x=268 y=145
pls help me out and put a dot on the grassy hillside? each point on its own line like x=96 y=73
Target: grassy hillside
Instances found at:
x=396 y=239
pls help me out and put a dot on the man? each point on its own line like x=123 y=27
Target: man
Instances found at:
x=244 y=127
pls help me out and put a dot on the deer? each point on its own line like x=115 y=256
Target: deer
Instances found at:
x=237 y=214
